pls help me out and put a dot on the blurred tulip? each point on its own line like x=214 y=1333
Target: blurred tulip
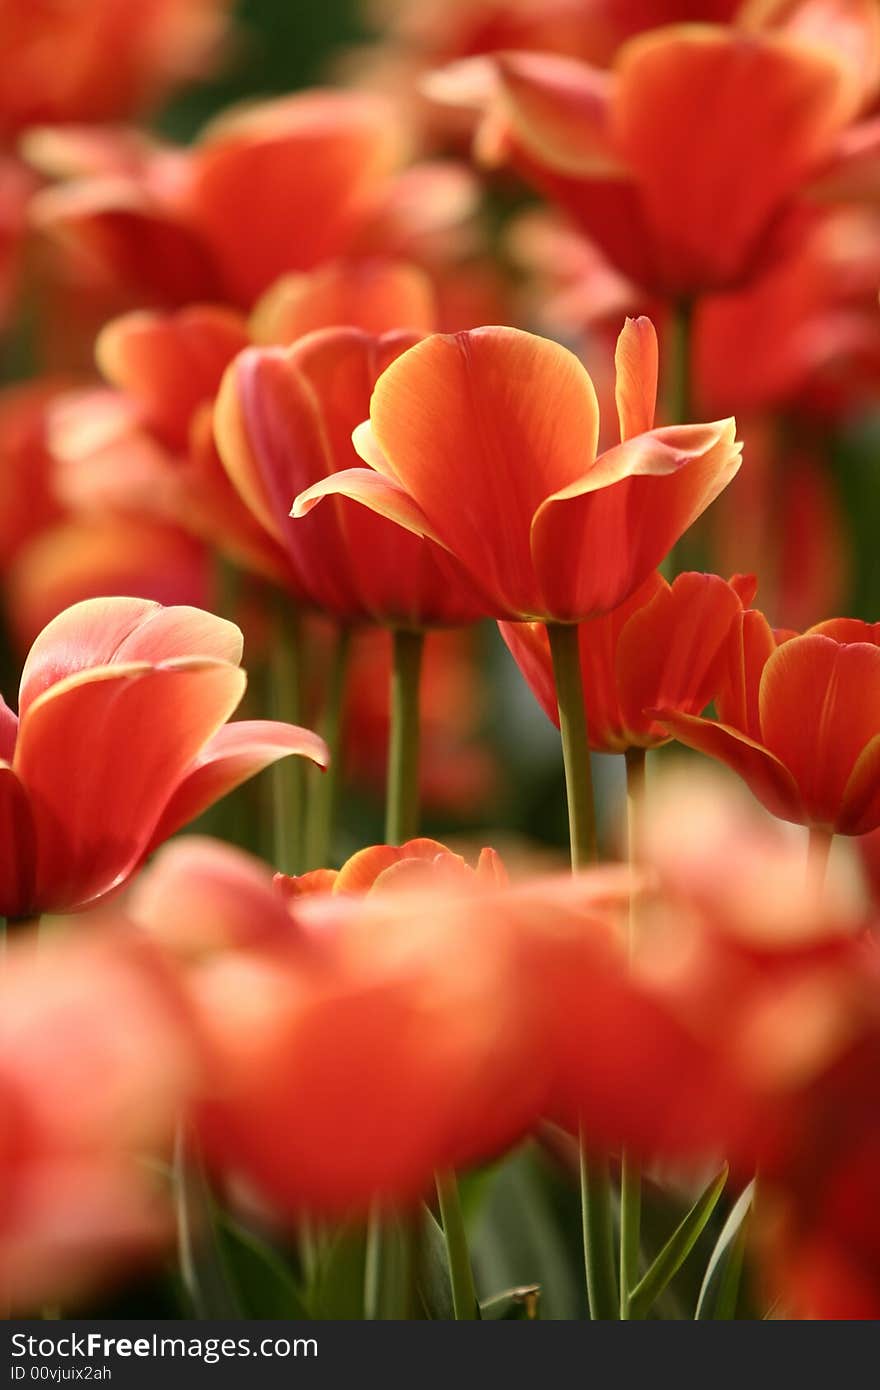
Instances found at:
x=116 y=61
x=663 y=647
x=97 y=1057
x=173 y=226
x=27 y=500
x=485 y=442
x=798 y=720
x=284 y=420
x=607 y=148
x=399 y=1022
x=121 y=738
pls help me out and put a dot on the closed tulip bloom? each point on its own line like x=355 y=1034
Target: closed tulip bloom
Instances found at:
x=665 y=638
x=486 y=442
x=121 y=737
x=799 y=720
x=284 y=420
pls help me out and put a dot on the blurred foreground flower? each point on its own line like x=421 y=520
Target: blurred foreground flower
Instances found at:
x=96 y=1060
x=121 y=737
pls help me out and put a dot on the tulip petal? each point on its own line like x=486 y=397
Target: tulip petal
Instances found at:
x=751 y=644
x=381 y=495
x=170 y=363
x=96 y=802
x=820 y=708
x=376 y=296
x=8 y=731
x=596 y=540
x=479 y=427
x=102 y=631
x=559 y=110
x=201 y=895
x=669 y=652
x=860 y=811
x=236 y=753
x=636 y=363
x=675 y=91
x=769 y=780
x=18 y=847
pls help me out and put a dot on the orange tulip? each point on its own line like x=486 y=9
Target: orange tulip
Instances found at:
x=664 y=638
x=284 y=420
x=116 y=60
x=97 y=1056
x=798 y=720
x=485 y=442
x=647 y=160
x=168 y=226
x=121 y=738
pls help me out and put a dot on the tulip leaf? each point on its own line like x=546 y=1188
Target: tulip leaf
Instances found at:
x=337 y=1288
x=676 y=1250
x=433 y=1286
x=264 y=1282
x=513 y=1305
x=720 y=1289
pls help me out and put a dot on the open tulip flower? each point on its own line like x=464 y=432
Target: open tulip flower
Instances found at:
x=799 y=720
x=284 y=421
x=667 y=638
x=485 y=442
x=646 y=159
x=121 y=737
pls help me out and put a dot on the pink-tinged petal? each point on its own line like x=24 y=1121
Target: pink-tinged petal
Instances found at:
x=8 y=731
x=101 y=754
x=820 y=708
x=241 y=431
x=750 y=644
x=597 y=539
x=103 y=631
x=636 y=365
x=236 y=753
x=559 y=111
x=849 y=29
x=479 y=427
x=669 y=652
x=376 y=296
x=768 y=779
x=18 y=847
x=200 y=895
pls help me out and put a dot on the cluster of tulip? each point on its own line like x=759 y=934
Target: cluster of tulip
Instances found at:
x=277 y=1073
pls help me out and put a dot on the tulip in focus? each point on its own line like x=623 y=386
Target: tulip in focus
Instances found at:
x=485 y=442
x=121 y=737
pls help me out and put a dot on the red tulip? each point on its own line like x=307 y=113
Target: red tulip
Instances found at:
x=121 y=738
x=799 y=720
x=284 y=420
x=486 y=441
x=664 y=638
x=647 y=160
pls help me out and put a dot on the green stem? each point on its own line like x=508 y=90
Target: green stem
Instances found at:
x=402 y=807
x=602 y=1290
x=401 y=824
x=202 y=1266
x=630 y=1175
x=289 y=774
x=461 y=1276
x=325 y=787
